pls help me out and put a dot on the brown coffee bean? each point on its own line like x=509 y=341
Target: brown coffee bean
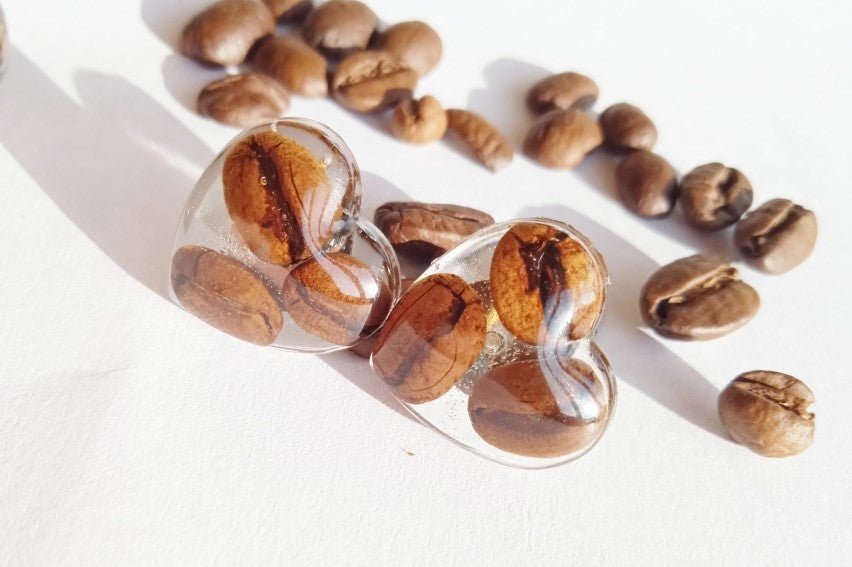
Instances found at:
x=480 y=136
x=224 y=33
x=280 y=198
x=767 y=412
x=226 y=294
x=545 y=285
x=333 y=297
x=289 y=10
x=431 y=338
x=777 y=236
x=647 y=184
x=297 y=66
x=337 y=27
x=243 y=100
x=561 y=92
x=700 y=297
x=368 y=81
x=713 y=196
x=562 y=138
x=419 y=121
x=364 y=347
x=539 y=408
x=424 y=231
x=625 y=127
x=416 y=44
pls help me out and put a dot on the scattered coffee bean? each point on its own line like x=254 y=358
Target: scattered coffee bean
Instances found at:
x=243 y=100
x=647 y=184
x=424 y=231
x=431 y=338
x=545 y=285
x=777 y=236
x=539 y=408
x=713 y=196
x=337 y=27
x=333 y=296
x=419 y=121
x=364 y=347
x=562 y=138
x=767 y=412
x=226 y=294
x=279 y=197
x=224 y=33
x=289 y=10
x=416 y=44
x=561 y=92
x=368 y=81
x=700 y=297
x=296 y=65
x=480 y=136
x=625 y=127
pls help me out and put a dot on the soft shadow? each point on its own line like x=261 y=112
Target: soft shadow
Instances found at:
x=637 y=357
x=104 y=168
x=184 y=79
x=357 y=370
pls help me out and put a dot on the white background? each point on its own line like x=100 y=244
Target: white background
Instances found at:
x=131 y=433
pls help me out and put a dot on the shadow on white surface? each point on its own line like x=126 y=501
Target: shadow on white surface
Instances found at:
x=637 y=358
x=357 y=370
x=105 y=167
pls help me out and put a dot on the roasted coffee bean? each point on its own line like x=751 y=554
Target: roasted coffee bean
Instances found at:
x=226 y=294
x=431 y=338
x=224 y=33
x=296 y=65
x=3 y=44
x=424 y=231
x=561 y=92
x=713 y=196
x=416 y=44
x=333 y=297
x=368 y=81
x=777 y=236
x=697 y=298
x=480 y=136
x=289 y=10
x=545 y=285
x=364 y=347
x=562 y=138
x=243 y=100
x=625 y=127
x=419 y=121
x=539 y=408
x=767 y=412
x=279 y=197
x=337 y=27
x=647 y=184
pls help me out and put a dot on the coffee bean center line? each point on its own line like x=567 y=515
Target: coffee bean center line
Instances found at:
x=230 y=303
x=780 y=396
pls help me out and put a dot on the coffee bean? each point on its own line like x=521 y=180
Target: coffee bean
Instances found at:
x=431 y=338
x=280 y=198
x=776 y=237
x=767 y=412
x=297 y=66
x=364 y=347
x=243 y=100
x=562 y=138
x=697 y=298
x=545 y=285
x=647 y=184
x=333 y=297
x=3 y=44
x=713 y=196
x=561 y=92
x=337 y=27
x=416 y=44
x=289 y=10
x=226 y=294
x=539 y=408
x=368 y=81
x=480 y=136
x=424 y=231
x=419 y=121
x=224 y=33
x=625 y=127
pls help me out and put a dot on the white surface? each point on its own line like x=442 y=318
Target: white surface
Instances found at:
x=131 y=433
